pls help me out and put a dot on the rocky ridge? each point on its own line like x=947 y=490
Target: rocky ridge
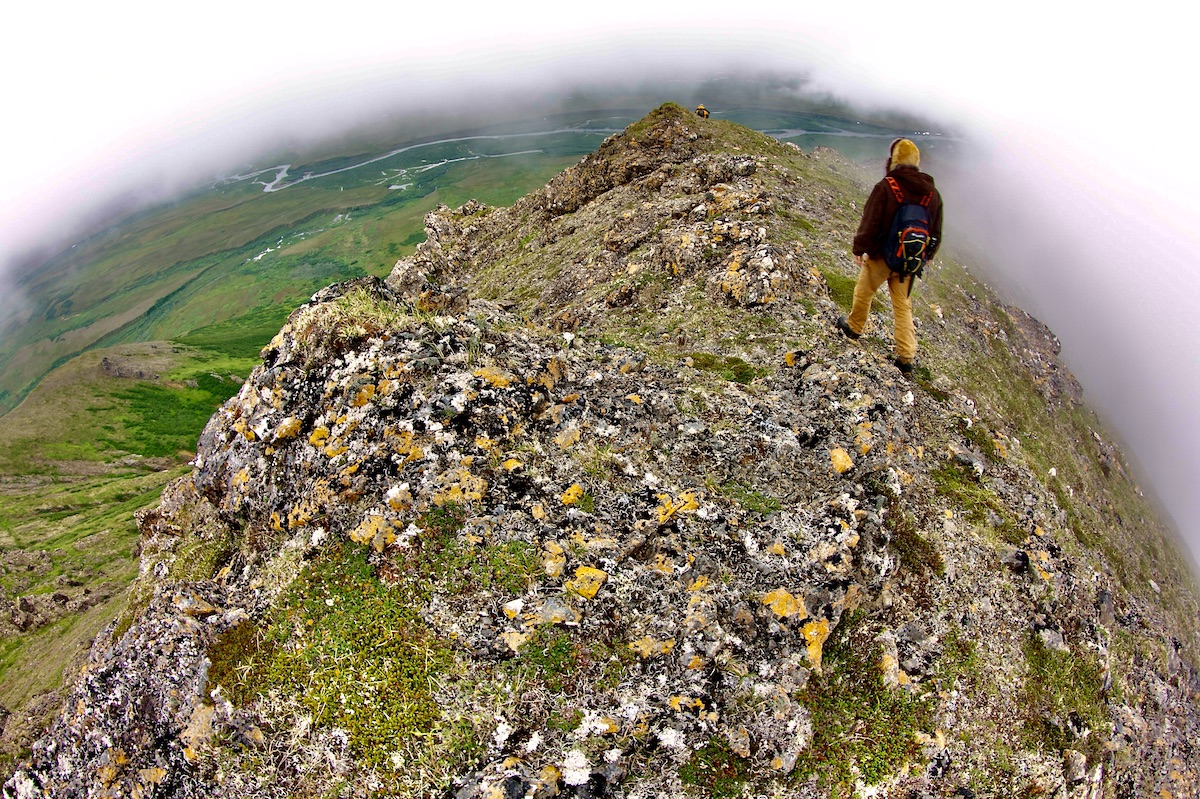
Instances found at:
x=589 y=499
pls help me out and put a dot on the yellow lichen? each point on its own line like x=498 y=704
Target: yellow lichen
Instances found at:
x=587 y=581
x=495 y=376
x=554 y=559
x=319 y=436
x=669 y=507
x=567 y=437
x=572 y=494
x=515 y=640
x=815 y=635
x=841 y=460
x=288 y=428
x=364 y=395
x=458 y=486
x=648 y=647
x=784 y=604
x=376 y=531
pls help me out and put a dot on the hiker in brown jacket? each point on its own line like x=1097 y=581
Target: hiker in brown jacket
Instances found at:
x=902 y=167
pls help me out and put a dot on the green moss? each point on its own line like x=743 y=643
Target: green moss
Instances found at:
x=916 y=553
x=749 y=499
x=974 y=501
x=716 y=770
x=1068 y=509
x=550 y=655
x=841 y=290
x=463 y=569
x=365 y=662
x=730 y=367
x=979 y=435
x=1063 y=689
x=861 y=728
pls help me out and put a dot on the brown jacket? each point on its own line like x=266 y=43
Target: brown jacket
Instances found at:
x=881 y=207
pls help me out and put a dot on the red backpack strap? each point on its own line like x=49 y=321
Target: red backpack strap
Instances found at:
x=896 y=190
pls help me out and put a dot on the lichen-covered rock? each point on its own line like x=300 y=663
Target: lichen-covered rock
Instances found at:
x=590 y=499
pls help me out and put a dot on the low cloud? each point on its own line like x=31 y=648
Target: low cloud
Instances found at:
x=1073 y=181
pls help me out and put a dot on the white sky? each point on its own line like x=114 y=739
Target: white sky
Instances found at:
x=1086 y=115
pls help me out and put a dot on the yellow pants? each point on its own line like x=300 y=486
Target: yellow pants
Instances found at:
x=874 y=273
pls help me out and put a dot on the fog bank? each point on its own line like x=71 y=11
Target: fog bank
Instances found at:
x=1077 y=125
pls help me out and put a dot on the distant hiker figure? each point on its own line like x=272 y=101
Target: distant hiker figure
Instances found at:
x=894 y=247
x=701 y=111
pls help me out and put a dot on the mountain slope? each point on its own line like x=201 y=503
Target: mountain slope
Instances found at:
x=590 y=499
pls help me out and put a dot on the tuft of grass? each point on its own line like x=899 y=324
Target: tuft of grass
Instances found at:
x=974 y=501
x=716 y=770
x=365 y=663
x=356 y=315
x=749 y=499
x=729 y=367
x=1063 y=690
x=861 y=728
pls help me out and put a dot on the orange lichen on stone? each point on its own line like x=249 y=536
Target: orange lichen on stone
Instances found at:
x=863 y=437
x=841 y=460
x=374 y=530
x=288 y=428
x=567 y=437
x=815 y=635
x=554 y=559
x=495 y=376
x=550 y=375
x=406 y=444
x=648 y=647
x=784 y=604
x=587 y=581
x=363 y=396
x=572 y=494
x=669 y=507
x=459 y=486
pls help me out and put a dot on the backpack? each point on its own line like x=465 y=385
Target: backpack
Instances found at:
x=909 y=238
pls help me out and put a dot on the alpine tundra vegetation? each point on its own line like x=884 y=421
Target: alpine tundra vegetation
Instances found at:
x=590 y=499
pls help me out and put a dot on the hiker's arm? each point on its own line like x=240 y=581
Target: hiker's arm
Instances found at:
x=935 y=225
x=866 y=240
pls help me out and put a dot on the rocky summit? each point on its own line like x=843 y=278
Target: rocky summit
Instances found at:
x=589 y=498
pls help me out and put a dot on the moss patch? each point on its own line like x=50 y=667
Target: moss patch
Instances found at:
x=1062 y=696
x=861 y=728
x=716 y=770
x=356 y=654
x=730 y=367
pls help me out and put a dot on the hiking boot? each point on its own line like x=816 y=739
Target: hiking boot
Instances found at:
x=844 y=326
x=905 y=367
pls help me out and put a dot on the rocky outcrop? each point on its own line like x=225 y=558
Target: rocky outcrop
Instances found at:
x=589 y=499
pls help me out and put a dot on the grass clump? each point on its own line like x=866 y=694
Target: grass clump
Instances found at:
x=749 y=499
x=974 y=501
x=729 y=367
x=1063 y=696
x=356 y=315
x=716 y=770
x=364 y=663
x=861 y=728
